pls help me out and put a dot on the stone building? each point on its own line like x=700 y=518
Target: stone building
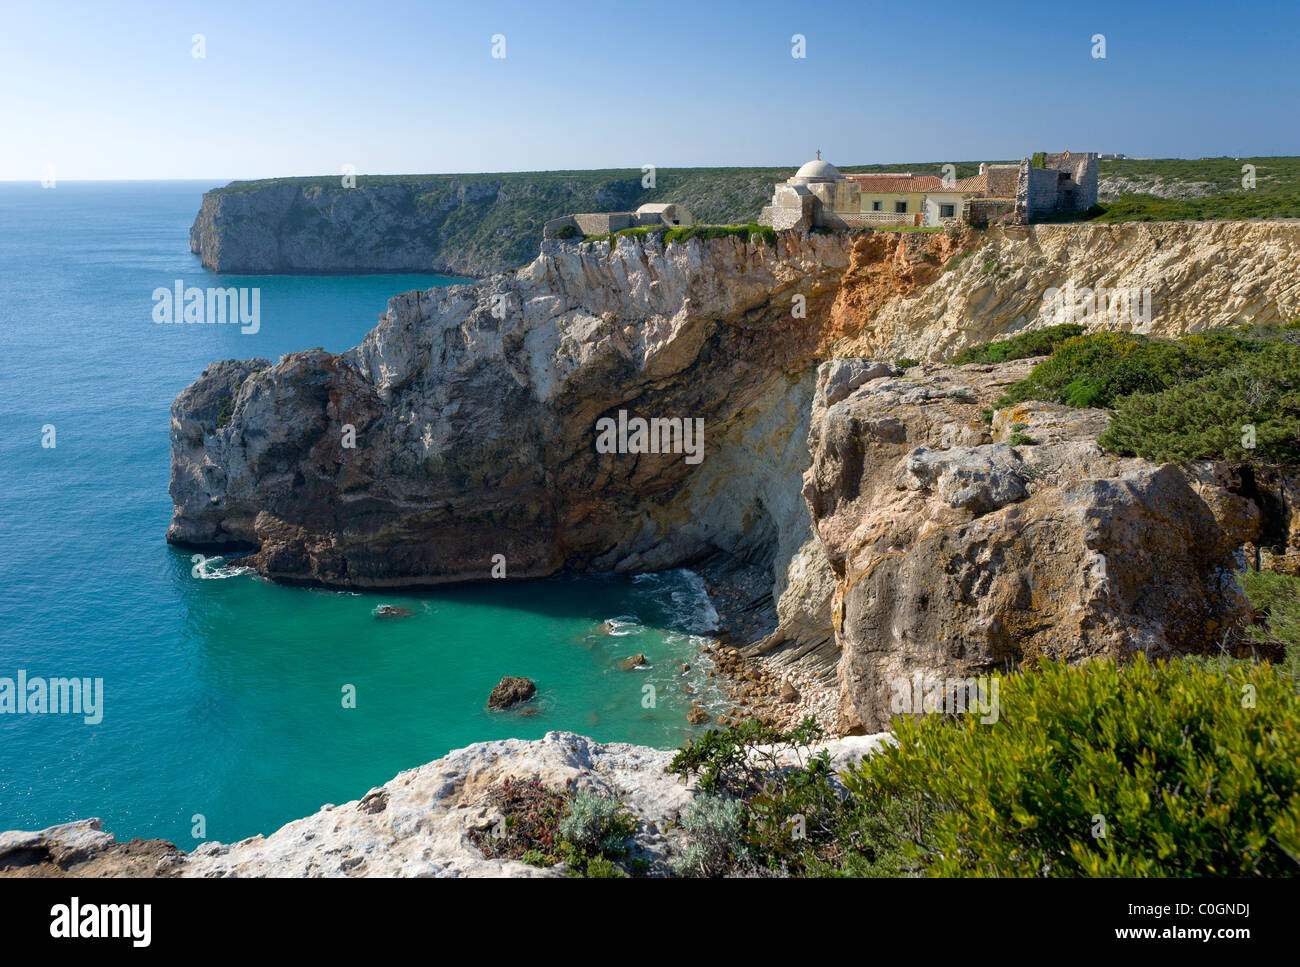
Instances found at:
x=602 y=223
x=818 y=196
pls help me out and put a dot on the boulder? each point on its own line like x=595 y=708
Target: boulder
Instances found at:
x=511 y=691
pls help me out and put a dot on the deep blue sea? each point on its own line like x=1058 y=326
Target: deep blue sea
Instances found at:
x=222 y=697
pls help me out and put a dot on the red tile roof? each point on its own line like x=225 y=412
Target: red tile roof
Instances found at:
x=896 y=183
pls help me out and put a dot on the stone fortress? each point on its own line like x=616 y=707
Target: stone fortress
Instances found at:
x=819 y=196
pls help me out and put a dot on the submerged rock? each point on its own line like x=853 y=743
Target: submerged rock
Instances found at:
x=392 y=611
x=636 y=661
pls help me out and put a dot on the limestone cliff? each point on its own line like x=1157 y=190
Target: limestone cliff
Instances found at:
x=957 y=554
x=466 y=424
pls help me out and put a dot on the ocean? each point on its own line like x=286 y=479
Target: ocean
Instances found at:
x=225 y=698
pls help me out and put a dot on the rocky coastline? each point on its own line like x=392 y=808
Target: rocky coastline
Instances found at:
x=859 y=518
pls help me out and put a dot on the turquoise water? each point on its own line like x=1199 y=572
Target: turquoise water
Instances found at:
x=224 y=697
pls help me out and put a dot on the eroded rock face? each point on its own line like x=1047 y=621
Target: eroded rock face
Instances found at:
x=956 y=554
x=1198 y=274
x=475 y=435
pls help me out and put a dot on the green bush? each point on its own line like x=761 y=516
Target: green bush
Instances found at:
x=1277 y=596
x=906 y=362
x=567 y=231
x=1039 y=342
x=596 y=824
x=1154 y=770
x=1248 y=411
x=715 y=845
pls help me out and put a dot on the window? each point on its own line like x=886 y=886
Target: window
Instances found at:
x=945 y=211
x=900 y=207
x=875 y=206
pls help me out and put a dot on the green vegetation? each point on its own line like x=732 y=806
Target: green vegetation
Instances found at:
x=1213 y=187
x=1186 y=768
x=542 y=827
x=1222 y=394
x=746 y=233
x=1174 y=769
x=749 y=232
x=567 y=232
x=906 y=362
x=1039 y=342
x=955 y=261
x=1277 y=597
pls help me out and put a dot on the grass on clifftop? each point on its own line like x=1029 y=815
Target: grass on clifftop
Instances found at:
x=1228 y=394
x=746 y=233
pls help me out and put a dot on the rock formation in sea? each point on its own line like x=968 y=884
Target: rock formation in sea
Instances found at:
x=895 y=530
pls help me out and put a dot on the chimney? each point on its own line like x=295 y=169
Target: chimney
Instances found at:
x=984 y=167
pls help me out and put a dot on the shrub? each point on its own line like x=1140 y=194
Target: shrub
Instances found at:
x=1039 y=342
x=596 y=825
x=1098 y=369
x=567 y=231
x=529 y=829
x=907 y=363
x=790 y=811
x=1154 y=770
x=715 y=845
x=1278 y=596
x=746 y=233
x=1247 y=411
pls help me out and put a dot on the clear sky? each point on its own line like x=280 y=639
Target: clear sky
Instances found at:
x=108 y=90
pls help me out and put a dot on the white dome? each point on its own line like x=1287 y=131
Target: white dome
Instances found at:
x=818 y=170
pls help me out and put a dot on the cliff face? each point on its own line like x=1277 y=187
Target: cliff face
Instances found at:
x=475 y=413
x=452 y=224
x=467 y=425
x=1197 y=274
x=956 y=554
x=389 y=228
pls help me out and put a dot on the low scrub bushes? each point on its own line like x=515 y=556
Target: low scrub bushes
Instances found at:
x=1222 y=394
x=1039 y=342
x=541 y=827
x=1187 y=768
x=1159 y=769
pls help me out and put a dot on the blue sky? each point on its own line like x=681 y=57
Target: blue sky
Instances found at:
x=112 y=90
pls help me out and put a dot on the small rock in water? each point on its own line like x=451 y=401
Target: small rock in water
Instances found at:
x=511 y=691
x=697 y=716
x=635 y=661
x=391 y=611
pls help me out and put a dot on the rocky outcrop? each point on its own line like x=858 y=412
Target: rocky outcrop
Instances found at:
x=419 y=824
x=463 y=436
x=962 y=548
x=474 y=414
x=83 y=849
